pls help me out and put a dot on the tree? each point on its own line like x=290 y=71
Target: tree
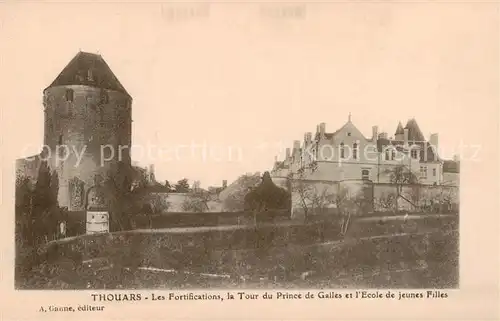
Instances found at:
x=388 y=202
x=120 y=194
x=316 y=199
x=23 y=210
x=401 y=175
x=312 y=198
x=445 y=199
x=233 y=196
x=350 y=205
x=182 y=186
x=152 y=204
x=267 y=196
x=168 y=187
x=45 y=210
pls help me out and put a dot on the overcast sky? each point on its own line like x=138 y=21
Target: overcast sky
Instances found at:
x=247 y=82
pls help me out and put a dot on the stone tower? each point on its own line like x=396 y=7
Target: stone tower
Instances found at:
x=88 y=126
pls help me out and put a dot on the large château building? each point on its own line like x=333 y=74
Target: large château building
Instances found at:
x=347 y=154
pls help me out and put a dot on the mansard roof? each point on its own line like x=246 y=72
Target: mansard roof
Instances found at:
x=88 y=69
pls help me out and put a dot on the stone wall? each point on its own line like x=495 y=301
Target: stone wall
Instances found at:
x=307 y=194
x=85 y=122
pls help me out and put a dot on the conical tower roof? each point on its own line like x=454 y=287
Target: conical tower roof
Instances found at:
x=88 y=69
x=400 y=129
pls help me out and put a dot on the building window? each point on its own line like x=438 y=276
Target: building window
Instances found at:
x=355 y=151
x=390 y=154
x=90 y=77
x=365 y=174
x=342 y=150
x=348 y=134
x=69 y=95
x=434 y=172
x=414 y=153
x=423 y=171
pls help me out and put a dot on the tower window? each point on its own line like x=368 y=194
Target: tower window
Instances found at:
x=355 y=151
x=60 y=141
x=69 y=95
x=342 y=150
x=104 y=97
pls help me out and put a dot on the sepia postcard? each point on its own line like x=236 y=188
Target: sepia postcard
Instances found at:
x=251 y=160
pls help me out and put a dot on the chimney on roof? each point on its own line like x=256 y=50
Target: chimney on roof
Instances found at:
x=308 y=137
x=287 y=153
x=224 y=183
x=383 y=135
x=322 y=128
x=434 y=141
x=406 y=136
x=296 y=145
x=374 y=133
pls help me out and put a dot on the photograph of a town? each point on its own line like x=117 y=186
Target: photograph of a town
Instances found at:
x=333 y=171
